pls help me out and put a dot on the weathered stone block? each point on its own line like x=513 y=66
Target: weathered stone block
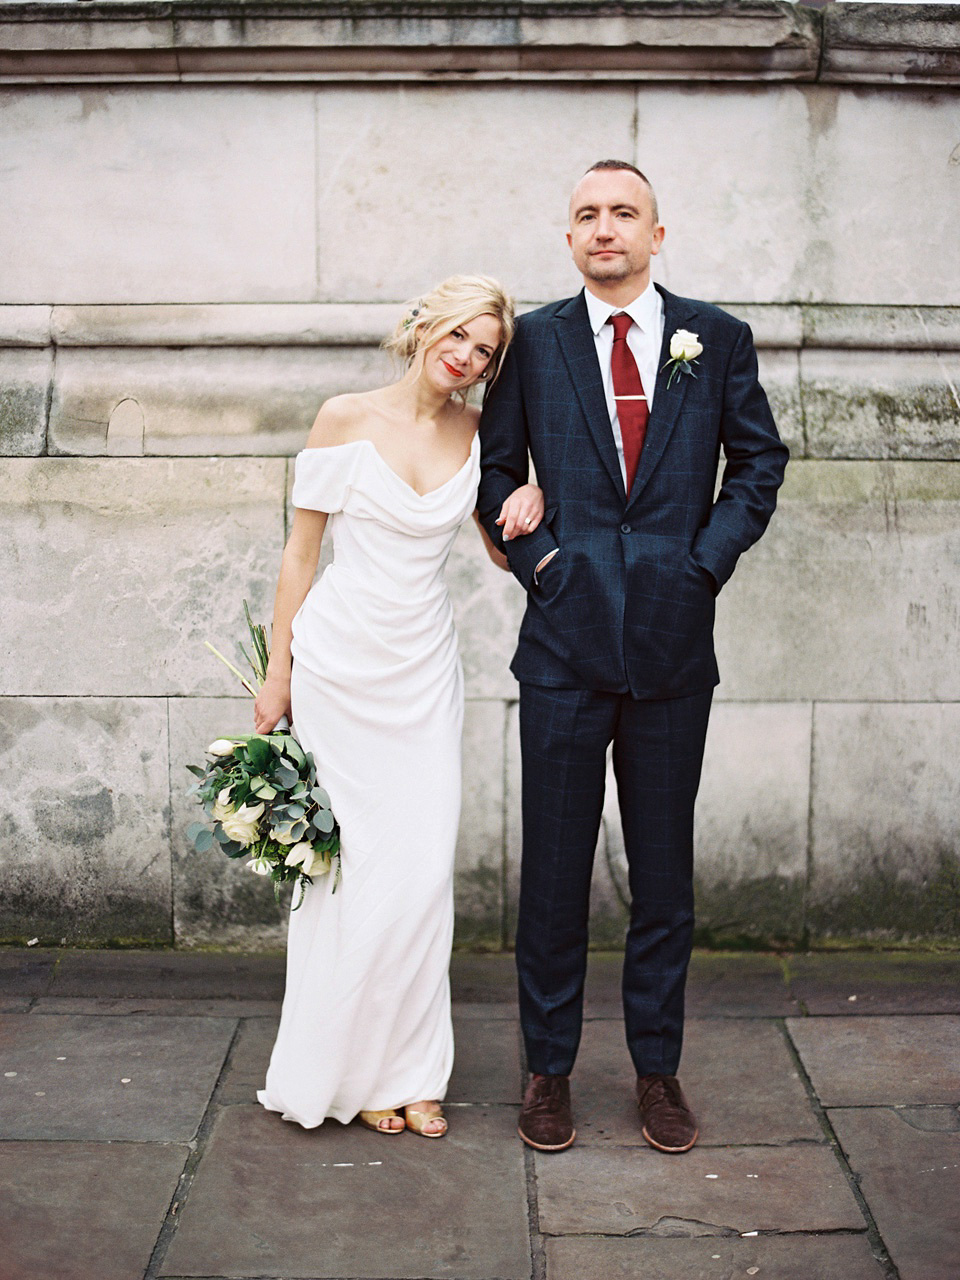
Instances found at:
x=328 y=1176
x=194 y=194
x=751 y=821
x=886 y=820
x=222 y=400
x=83 y=820
x=215 y=898
x=737 y=1073
x=789 y=1257
x=488 y=605
x=768 y=1189
x=853 y=592
x=131 y=565
x=719 y=244
x=526 y=250
x=823 y=230
x=48 y=1188
x=24 y=394
x=911 y=1181
x=866 y=404
x=780 y=378
x=478 y=877
x=25 y=326
x=82 y=1076
x=875 y=1062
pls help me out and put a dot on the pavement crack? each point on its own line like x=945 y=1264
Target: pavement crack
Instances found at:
x=197 y=1146
x=877 y=1245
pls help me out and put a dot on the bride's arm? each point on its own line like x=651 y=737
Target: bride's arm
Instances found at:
x=520 y=514
x=298 y=568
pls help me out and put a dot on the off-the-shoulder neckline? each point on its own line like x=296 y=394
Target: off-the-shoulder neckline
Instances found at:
x=347 y=444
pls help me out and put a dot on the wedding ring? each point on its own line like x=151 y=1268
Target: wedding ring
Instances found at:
x=528 y=520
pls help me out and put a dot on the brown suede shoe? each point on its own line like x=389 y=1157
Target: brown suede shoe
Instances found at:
x=546 y=1122
x=668 y=1123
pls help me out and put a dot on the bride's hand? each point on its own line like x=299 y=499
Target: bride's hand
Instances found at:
x=522 y=511
x=272 y=703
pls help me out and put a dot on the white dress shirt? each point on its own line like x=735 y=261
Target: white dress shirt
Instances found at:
x=644 y=338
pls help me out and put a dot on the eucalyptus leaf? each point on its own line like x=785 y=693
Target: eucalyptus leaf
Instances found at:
x=259 y=751
x=287 y=777
x=196 y=770
x=321 y=797
x=203 y=840
x=323 y=820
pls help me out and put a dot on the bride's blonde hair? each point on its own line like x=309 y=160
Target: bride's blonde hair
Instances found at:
x=456 y=301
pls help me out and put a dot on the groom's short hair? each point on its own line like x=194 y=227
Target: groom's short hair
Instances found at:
x=632 y=168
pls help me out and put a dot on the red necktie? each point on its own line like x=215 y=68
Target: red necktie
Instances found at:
x=632 y=411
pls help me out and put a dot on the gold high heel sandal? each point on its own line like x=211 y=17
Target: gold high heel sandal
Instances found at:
x=416 y=1120
x=377 y=1121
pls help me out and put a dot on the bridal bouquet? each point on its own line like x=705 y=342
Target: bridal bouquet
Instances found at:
x=261 y=797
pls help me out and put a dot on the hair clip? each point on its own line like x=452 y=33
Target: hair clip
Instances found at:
x=413 y=315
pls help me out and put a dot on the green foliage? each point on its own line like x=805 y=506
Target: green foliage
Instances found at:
x=270 y=770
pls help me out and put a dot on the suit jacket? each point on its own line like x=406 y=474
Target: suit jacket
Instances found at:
x=628 y=604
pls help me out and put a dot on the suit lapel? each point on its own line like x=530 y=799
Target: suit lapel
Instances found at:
x=580 y=353
x=667 y=401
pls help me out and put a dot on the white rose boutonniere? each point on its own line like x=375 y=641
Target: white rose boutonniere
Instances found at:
x=684 y=349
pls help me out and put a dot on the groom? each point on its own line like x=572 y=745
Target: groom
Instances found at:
x=624 y=411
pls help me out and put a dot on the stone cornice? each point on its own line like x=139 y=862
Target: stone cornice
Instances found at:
x=390 y=40
x=783 y=326
x=190 y=40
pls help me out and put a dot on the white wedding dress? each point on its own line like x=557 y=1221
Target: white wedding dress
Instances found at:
x=377 y=696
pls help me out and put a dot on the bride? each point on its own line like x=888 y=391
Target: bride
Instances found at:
x=366 y=664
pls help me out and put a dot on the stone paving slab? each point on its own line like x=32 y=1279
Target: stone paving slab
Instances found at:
x=486 y=1068
x=911 y=1181
x=117 y=1006
x=483 y=978
x=186 y=974
x=872 y=1061
x=83 y=1210
x=704 y=1192
x=719 y=985
x=857 y=982
x=738 y=1075
x=795 y=1257
x=63 y=1076
x=487 y=1061
x=26 y=972
x=15 y=1004
x=272 y=1199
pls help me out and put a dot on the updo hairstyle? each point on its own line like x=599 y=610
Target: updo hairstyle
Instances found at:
x=455 y=302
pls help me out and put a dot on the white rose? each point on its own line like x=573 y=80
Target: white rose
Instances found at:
x=684 y=345
x=298 y=853
x=318 y=864
x=221 y=747
x=260 y=866
x=222 y=808
x=311 y=863
x=283 y=833
x=242 y=825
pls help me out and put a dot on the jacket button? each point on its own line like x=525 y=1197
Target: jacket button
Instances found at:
x=624 y=528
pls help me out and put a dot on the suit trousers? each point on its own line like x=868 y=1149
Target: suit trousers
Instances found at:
x=657 y=758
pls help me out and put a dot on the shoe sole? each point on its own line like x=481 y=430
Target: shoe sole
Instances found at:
x=671 y=1151
x=539 y=1146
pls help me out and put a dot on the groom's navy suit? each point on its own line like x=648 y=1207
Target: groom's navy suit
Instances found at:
x=617 y=643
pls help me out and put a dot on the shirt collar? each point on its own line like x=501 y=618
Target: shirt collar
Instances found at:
x=644 y=310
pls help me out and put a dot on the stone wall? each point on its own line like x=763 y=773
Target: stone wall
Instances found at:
x=209 y=214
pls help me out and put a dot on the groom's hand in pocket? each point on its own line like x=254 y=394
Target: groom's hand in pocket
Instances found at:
x=522 y=512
